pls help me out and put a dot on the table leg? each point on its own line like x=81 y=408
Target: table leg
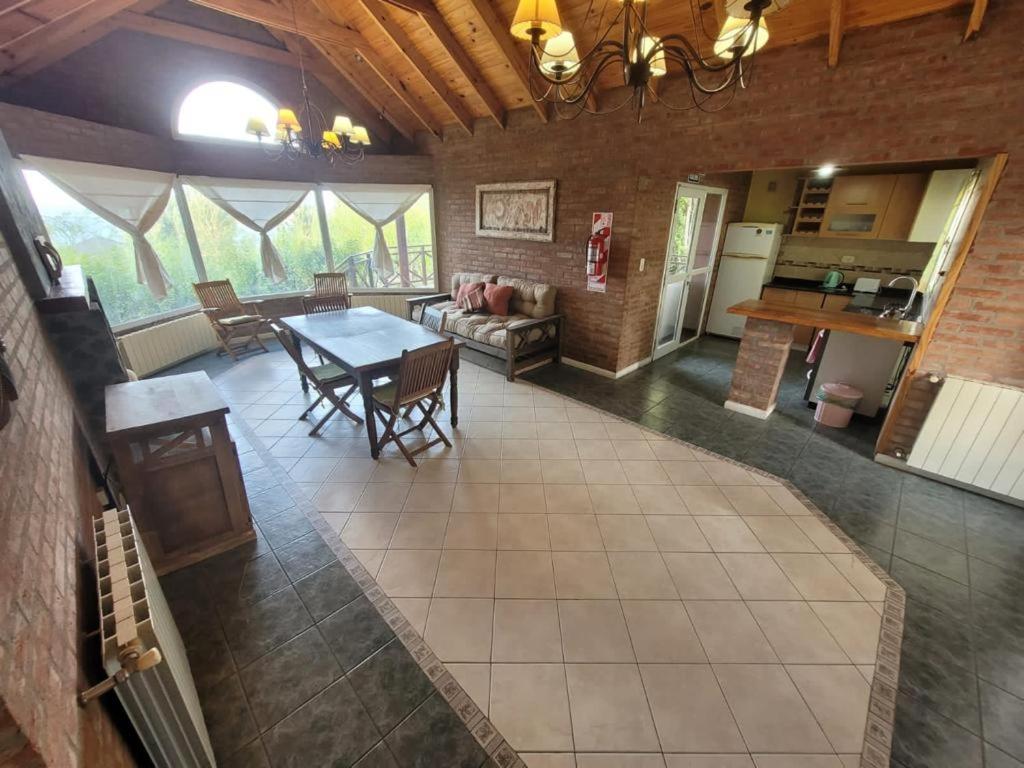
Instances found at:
x=366 y=390
x=298 y=346
x=454 y=397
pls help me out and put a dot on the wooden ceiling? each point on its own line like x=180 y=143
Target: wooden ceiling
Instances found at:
x=408 y=65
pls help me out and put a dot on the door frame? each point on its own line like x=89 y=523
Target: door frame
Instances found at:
x=702 y=191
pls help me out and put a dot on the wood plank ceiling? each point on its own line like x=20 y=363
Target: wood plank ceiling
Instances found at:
x=409 y=65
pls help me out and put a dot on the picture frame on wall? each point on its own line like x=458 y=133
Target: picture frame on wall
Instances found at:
x=519 y=210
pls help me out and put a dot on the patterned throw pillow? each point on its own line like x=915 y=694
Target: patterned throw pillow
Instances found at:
x=472 y=301
x=464 y=289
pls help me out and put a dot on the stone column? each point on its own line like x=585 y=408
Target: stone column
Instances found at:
x=760 y=363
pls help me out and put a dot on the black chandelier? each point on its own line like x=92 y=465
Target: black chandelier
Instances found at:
x=561 y=76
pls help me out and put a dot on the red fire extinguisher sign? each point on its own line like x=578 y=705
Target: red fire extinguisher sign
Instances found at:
x=598 y=247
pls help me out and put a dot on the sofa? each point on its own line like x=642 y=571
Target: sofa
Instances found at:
x=530 y=334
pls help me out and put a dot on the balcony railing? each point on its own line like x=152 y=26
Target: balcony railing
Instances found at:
x=414 y=269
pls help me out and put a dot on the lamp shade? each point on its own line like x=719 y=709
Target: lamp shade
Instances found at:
x=538 y=17
x=657 y=63
x=360 y=134
x=737 y=33
x=257 y=127
x=331 y=140
x=286 y=119
x=342 y=125
x=560 y=56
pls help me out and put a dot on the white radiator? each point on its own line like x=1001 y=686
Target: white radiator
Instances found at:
x=161 y=700
x=385 y=302
x=974 y=435
x=161 y=346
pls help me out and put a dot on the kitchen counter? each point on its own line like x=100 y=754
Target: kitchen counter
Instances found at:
x=850 y=322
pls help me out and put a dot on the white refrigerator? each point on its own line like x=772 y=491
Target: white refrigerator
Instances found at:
x=747 y=263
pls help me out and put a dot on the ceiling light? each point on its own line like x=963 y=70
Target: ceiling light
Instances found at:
x=738 y=34
x=826 y=171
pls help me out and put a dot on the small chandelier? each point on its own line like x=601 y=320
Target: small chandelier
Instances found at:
x=561 y=76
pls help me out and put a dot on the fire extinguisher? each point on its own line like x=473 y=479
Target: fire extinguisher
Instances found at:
x=595 y=254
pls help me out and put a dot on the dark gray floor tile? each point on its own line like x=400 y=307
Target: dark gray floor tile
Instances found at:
x=250 y=462
x=270 y=502
x=355 y=632
x=332 y=729
x=925 y=739
x=253 y=630
x=995 y=582
x=233 y=579
x=278 y=683
x=327 y=590
x=378 y=757
x=1003 y=717
x=252 y=755
x=390 y=684
x=228 y=718
x=258 y=481
x=996 y=758
x=952 y=534
x=285 y=527
x=1003 y=551
x=433 y=736
x=208 y=656
x=931 y=588
x=949 y=689
x=934 y=557
x=303 y=556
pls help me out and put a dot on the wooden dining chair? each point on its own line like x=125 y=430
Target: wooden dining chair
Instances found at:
x=237 y=324
x=314 y=304
x=326 y=379
x=434 y=319
x=333 y=284
x=421 y=377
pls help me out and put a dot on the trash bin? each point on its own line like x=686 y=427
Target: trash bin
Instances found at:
x=836 y=402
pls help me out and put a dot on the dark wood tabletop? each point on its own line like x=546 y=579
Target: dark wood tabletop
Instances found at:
x=166 y=400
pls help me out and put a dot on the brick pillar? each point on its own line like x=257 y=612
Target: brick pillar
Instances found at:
x=764 y=350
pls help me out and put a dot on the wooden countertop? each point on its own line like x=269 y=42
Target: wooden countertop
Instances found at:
x=834 y=320
x=138 y=406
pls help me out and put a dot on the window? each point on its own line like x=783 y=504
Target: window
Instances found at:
x=107 y=256
x=221 y=110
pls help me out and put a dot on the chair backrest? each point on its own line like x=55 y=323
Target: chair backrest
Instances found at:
x=330 y=284
x=314 y=304
x=434 y=319
x=284 y=336
x=219 y=295
x=423 y=371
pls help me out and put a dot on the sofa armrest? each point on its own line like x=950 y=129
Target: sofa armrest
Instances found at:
x=419 y=301
x=519 y=325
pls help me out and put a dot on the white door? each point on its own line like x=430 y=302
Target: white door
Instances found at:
x=689 y=261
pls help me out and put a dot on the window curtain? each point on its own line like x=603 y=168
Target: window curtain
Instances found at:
x=379 y=204
x=258 y=205
x=129 y=199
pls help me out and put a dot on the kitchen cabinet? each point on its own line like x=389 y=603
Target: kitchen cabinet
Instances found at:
x=835 y=302
x=874 y=207
x=802 y=335
x=904 y=203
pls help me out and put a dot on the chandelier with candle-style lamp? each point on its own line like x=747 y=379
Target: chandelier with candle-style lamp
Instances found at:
x=560 y=75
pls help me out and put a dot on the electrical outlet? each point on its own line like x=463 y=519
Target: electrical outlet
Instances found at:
x=643 y=263
x=847 y=259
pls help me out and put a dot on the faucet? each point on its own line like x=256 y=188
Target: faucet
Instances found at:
x=913 y=293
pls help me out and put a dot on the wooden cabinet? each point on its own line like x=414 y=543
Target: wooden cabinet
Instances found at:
x=778 y=295
x=836 y=302
x=874 y=207
x=903 y=206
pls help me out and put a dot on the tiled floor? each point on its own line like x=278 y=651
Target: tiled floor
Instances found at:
x=605 y=595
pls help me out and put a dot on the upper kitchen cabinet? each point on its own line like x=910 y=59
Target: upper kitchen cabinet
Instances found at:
x=880 y=207
x=903 y=206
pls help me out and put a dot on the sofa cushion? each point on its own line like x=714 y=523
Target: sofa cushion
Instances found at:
x=473 y=300
x=536 y=300
x=464 y=289
x=461 y=278
x=497 y=298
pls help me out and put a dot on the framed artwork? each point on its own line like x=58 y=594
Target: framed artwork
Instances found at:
x=520 y=210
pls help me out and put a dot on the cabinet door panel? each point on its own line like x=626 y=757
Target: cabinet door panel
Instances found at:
x=836 y=303
x=903 y=206
x=857 y=206
x=803 y=334
x=778 y=295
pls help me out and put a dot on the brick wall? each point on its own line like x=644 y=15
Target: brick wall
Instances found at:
x=45 y=589
x=760 y=363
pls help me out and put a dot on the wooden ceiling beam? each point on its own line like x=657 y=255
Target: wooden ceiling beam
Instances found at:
x=977 y=16
x=836 y=26
x=305 y=20
x=498 y=30
x=404 y=45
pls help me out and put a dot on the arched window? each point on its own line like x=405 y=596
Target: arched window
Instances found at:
x=220 y=110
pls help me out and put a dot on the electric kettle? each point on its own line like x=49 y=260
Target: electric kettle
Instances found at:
x=833 y=279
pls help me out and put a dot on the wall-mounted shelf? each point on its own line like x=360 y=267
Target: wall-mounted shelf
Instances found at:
x=810 y=206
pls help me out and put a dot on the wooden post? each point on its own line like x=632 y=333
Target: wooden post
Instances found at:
x=403 y=252
x=325 y=234
x=190 y=231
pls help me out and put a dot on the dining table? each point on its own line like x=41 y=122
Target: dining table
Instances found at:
x=367 y=343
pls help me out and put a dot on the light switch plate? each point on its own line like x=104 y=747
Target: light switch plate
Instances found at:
x=643 y=263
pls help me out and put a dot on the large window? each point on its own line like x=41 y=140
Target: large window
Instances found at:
x=221 y=110
x=107 y=256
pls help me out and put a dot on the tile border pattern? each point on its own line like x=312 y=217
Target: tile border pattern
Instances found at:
x=881 y=716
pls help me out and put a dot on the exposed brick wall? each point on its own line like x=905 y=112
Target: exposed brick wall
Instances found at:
x=760 y=363
x=45 y=499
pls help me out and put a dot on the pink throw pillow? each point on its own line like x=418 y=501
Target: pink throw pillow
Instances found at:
x=466 y=288
x=497 y=298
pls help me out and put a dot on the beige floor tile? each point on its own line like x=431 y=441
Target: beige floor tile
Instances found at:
x=393 y=470
x=369 y=530
x=420 y=530
x=699 y=576
x=801 y=761
x=779 y=534
x=520 y=470
x=524 y=575
x=659 y=500
x=352 y=470
x=476 y=498
x=465 y=573
x=337 y=520
x=677 y=533
x=769 y=710
x=705 y=500
x=414 y=609
x=563 y=471
x=430 y=497
x=409 y=572
x=689 y=473
x=383 y=497
x=614 y=499
x=315 y=470
x=480 y=471
x=475 y=680
x=724 y=473
x=583 y=575
x=816 y=577
x=549 y=759
x=589 y=430
x=558 y=449
x=728 y=534
x=644 y=472
x=641 y=576
x=838 y=697
x=518 y=414
x=371 y=559
x=618 y=430
x=437 y=470
x=689 y=710
x=855 y=626
x=472 y=531
x=661 y=632
x=337 y=497
x=579 y=413
x=602 y=471
x=575 y=533
x=459 y=629
x=520 y=449
x=523 y=532
x=530 y=706
x=291 y=447
x=609 y=709
x=594 y=631
x=666 y=450
x=638 y=450
x=728 y=632
x=816 y=531
x=568 y=499
x=618 y=760
x=556 y=415
x=858 y=574
x=482 y=447
x=309 y=489
x=789 y=503
x=751 y=500
x=796 y=634
x=336 y=447
x=526 y=631
x=708 y=761
x=518 y=430
x=595 y=450
x=757 y=577
x=521 y=499
x=625 y=533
